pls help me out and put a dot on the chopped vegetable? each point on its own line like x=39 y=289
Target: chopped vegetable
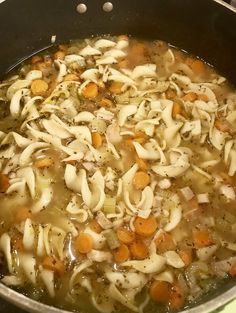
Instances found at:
x=141 y=180
x=145 y=227
x=125 y=235
x=187 y=256
x=4 y=182
x=59 y=55
x=141 y=163
x=46 y=162
x=202 y=238
x=177 y=298
x=104 y=102
x=198 y=67
x=53 y=264
x=71 y=77
x=139 y=250
x=22 y=214
x=176 y=109
x=164 y=242
x=90 y=91
x=160 y=291
x=95 y=226
x=96 y=140
x=116 y=87
x=112 y=239
x=232 y=271
x=190 y=96
x=18 y=244
x=122 y=254
x=39 y=87
x=223 y=126
x=83 y=243
x=109 y=205
x=203 y=97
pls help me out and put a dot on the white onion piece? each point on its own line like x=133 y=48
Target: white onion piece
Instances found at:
x=206 y=252
x=173 y=259
x=154 y=264
x=89 y=51
x=104 y=43
x=167 y=276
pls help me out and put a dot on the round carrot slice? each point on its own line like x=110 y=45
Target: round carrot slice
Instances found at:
x=90 y=91
x=125 y=235
x=141 y=180
x=83 y=243
x=53 y=264
x=122 y=254
x=160 y=291
x=139 y=250
x=145 y=227
x=177 y=299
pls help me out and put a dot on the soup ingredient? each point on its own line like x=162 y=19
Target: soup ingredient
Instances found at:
x=160 y=291
x=122 y=254
x=83 y=243
x=145 y=227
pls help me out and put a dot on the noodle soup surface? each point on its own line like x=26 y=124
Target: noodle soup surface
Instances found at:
x=117 y=177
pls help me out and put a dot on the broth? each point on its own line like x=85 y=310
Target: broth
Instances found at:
x=118 y=161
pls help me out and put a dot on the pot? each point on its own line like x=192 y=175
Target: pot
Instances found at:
x=205 y=28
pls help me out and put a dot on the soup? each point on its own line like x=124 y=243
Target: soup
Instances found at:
x=118 y=161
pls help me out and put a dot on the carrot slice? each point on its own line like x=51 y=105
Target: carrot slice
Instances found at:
x=228 y=179
x=128 y=144
x=18 y=244
x=232 y=271
x=36 y=58
x=48 y=61
x=176 y=109
x=53 y=264
x=59 y=55
x=222 y=125
x=4 y=182
x=22 y=214
x=96 y=140
x=145 y=227
x=160 y=291
x=190 y=96
x=83 y=243
x=125 y=235
x=187 y=256
x=116 y=87
x=90 y=91
x=141 y=163
x=198 y=67
x=95 y=226
x=39 y=87
x=201 y=238
x=45 y=162
x=164 y=242
x=203 y=97
x=171 y=94
x=141 y=180
x=107 y=103
x=122 y=254
x=139 y=250
x=177 y=298
x=123 y=63
x=71 y=77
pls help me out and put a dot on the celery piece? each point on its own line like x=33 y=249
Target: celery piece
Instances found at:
x=109 y=205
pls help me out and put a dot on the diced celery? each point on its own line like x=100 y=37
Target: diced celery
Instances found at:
x=109 y=205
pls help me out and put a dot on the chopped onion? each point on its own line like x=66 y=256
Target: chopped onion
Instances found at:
x=187 y=193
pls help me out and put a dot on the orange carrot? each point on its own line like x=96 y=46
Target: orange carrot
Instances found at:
x=190 y=96
x=139 y=250
x=141 y=180
x=187 y=256
x=18 y=244
x=4 y=182
x=95 y=226
x=128 y=144
x=171 y=94
x=141 y=163
x=59 y=55
x=90 y=91
x=223 y=126
x=177 y=298
x=201 y=238
x=22 y=214
x=39 y=87
x=53 y=264
x=121 y=254
x=145 y=227
x=228 y=179
x=232 y=271
x=107 y=103
x=160 y=291
x=96 y=140
x=125 y=235
x=198 y=67
x=116 y=87
x=83 y=243
x=203 y=97
x=36 y=58
x=164 y=242
x=62 y=47
x=123 y=63
x=71 y=77
x=176 y=109
x=45 y=162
